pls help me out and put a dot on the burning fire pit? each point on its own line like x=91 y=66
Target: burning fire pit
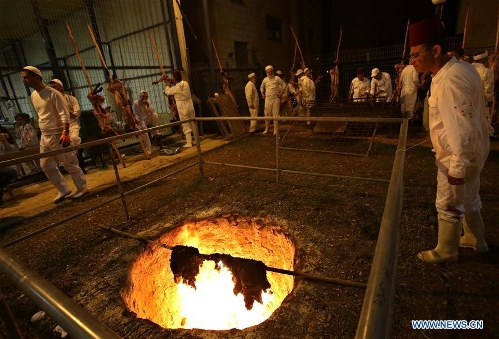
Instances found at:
x=207 y=299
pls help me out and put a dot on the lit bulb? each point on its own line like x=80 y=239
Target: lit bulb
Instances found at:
x=438 y=2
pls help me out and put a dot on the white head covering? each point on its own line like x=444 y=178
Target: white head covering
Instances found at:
x=33 y=69
x=298 y=72
x=251 y=75
x=269 y=67
x=57 y=81
x=480 y=56
x=374 y=72
x=143 y=91
x=305 y=70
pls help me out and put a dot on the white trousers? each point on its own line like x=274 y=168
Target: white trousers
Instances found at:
x=152 y=121
x=144 y=137
x=74 y=133
x=253 y=114
x=50 y=165
x=453 y=200
x=271 y=109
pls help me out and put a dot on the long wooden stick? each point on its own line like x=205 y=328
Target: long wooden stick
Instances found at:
x=405 y=40
x=267 y=268
x=339 y=44
x=465 y=28
x=153 y=43
x=497 y=29
x=298 y=45
x=216 y=54
x=122 y=63
x=294 y=57
x=78 y=56
x=97 y=47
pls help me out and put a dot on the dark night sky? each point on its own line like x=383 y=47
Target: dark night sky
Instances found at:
x=368 y=23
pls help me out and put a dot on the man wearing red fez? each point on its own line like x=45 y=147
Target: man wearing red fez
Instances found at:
x=458 y=131
x=360 y=86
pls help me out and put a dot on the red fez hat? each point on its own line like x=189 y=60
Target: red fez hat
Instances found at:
x=426 y=31
x=360 y=70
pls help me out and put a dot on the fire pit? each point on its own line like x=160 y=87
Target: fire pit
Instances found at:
x=217 y=296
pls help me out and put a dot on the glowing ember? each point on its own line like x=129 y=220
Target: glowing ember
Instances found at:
x=152 y=293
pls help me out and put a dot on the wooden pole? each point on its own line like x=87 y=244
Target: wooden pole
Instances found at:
x=465 y=27
x=78 y=56
x=497 y=29
x=339 y=44
x=98 y=48
x=153 y=43
x=122 y=63
x=406 y=38
x=216 y=55
x=298 y=45
x=267 y=268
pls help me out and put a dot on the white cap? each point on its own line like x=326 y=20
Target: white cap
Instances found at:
x=298 y=72
x=306 y=69
x=269 y=67
x=278 y=72
x=57 y=81
x=33 y=69
x=480 y=56
x=374 y=72
x=143 y=91
x=251 y=75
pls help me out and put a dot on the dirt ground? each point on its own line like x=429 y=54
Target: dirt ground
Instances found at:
x=333 y=223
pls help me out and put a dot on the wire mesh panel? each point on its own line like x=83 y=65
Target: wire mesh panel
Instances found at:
x=333 y=136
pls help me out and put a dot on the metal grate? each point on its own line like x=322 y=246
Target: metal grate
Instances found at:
x=340 y=137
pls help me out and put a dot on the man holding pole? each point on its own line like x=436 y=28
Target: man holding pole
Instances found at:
x=182 y=92
x=54 y=120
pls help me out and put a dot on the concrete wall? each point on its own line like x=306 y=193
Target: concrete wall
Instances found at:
x=231 y=21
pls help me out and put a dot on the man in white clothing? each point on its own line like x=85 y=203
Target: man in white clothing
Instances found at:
x=181 y=91
x=458 y=132
x=307 y=92
x=146 y=116
x=360 y=86
x=74 y=119
x=271 y=89
x=144 y=111
x=481 y=62
x=252 y=100
x=409 y=92
x=381 y=86
x=54 y=120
